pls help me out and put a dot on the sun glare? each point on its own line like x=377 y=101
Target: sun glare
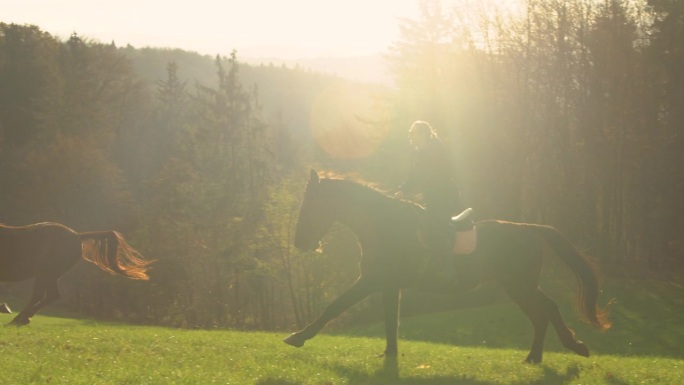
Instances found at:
x=338 y=121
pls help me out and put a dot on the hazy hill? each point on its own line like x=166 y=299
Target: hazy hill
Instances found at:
x=367 y=69
x=286 y=89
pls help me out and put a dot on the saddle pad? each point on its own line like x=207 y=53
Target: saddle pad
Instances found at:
x=465 y=242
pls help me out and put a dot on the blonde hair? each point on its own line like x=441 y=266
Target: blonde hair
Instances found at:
x=424 y=128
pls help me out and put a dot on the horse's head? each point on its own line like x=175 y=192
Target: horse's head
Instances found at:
x=315 y=215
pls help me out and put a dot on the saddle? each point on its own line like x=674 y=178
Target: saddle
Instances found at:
x=465 y=233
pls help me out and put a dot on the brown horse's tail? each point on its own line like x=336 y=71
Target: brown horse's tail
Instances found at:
x=109 y=251
x=585 y=272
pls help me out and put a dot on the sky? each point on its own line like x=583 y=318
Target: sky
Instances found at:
x=284 y=29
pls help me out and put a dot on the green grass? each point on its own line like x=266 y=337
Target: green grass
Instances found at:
x=471 y=347
x=647 y=318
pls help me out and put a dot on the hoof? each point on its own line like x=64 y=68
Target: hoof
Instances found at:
x=581 y=349
x=533 y=360
x=5 y=309
x=20 y=321
x=294 y=340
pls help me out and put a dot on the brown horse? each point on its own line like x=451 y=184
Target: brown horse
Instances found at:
x=47 y=251
x=393 y=257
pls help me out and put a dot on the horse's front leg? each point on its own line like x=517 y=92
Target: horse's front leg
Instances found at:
x=358 y=291
x=390 y=301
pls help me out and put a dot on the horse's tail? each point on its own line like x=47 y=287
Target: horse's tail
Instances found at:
x=585 y=272
x=109 y=251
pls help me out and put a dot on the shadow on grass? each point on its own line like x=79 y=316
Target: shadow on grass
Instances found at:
x=389 y=374
x=646 y=317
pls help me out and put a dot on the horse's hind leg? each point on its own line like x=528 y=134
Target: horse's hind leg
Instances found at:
x=552 y=314
x=541 y=309
x=358 y=291
x=45 y=291
x=566 y=335
x=36 y=296
x=533 y=305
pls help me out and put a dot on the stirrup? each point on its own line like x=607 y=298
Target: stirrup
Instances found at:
x=463 y=215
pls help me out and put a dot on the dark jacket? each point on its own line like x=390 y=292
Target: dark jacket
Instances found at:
x=432 y=175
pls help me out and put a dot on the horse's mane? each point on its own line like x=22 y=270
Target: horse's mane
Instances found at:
x=6 y=226
x=353 y=178
x=361 y=189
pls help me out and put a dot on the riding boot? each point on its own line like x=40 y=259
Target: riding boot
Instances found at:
x=439 y=273
x=446 y=273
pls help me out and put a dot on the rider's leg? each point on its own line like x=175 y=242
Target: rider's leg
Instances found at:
x=438 y=240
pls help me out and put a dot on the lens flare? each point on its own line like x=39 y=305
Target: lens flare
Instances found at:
x=349 y=121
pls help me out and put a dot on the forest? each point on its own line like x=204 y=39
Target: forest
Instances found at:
x=569 y=114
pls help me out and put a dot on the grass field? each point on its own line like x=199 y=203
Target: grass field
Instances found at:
x=471 y=347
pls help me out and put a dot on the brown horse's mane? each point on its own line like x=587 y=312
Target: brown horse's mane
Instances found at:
x=362 y=186
x=353 y=178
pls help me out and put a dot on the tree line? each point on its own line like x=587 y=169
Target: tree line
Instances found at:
x=567 y=114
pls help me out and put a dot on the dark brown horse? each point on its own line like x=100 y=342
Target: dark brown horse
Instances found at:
x=393 y=256
x=46 y=251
